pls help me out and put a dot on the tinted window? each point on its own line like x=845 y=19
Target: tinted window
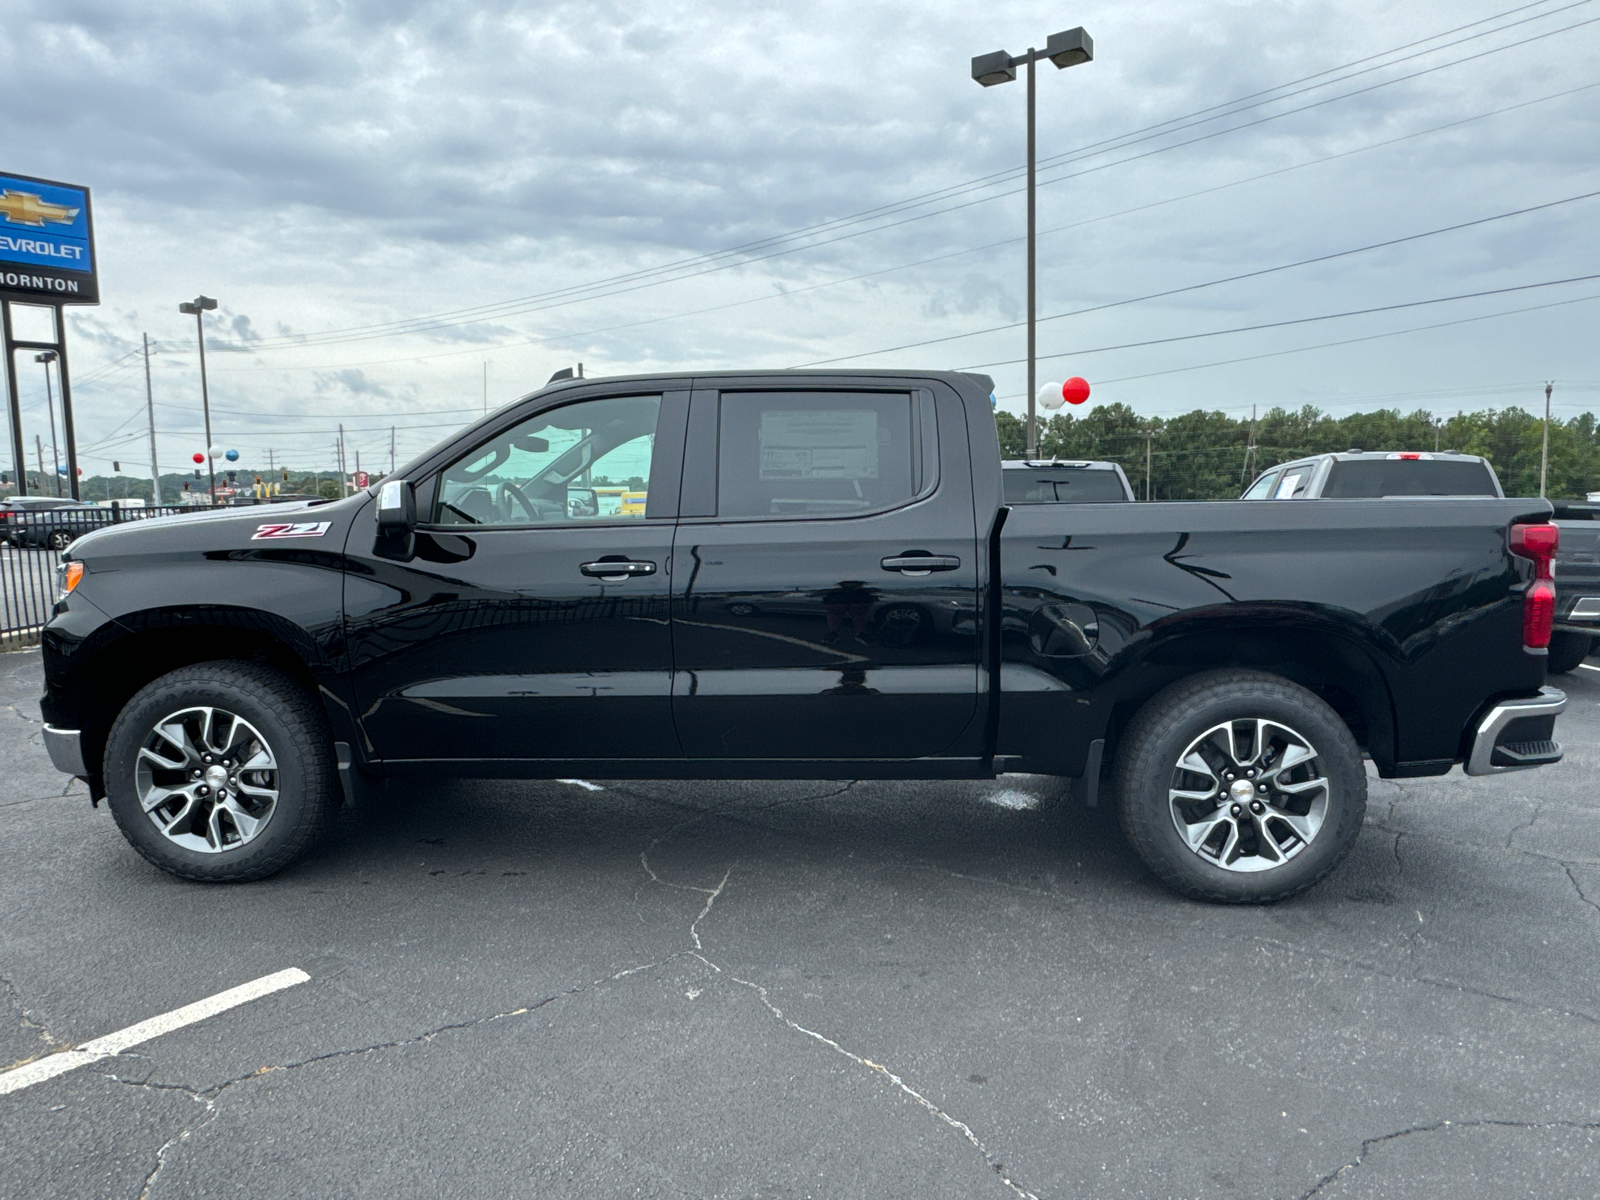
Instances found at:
x=1062 y=486
x=582 y=462
x=1377 y=477
x=808 y=454
x=1261 y=488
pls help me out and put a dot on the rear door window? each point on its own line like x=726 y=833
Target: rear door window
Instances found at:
x=814 y=454
x=1294 y=481
x=1378 y=477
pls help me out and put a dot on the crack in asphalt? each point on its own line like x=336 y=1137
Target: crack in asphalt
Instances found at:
x=1578 y=887
x=713 y=893
x=1537 y=809
x=27 y=1022
x=1484 y=1123
x=209 y=1096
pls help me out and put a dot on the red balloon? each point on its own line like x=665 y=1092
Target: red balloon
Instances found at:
x=199 y=458
x=1075 y=390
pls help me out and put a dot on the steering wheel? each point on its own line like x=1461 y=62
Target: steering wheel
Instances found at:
x=507 y=488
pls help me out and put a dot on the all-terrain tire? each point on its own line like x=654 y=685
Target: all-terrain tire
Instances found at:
x=290 y=722
x=1170 y=722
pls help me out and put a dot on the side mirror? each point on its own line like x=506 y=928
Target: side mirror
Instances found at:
x=397 y=506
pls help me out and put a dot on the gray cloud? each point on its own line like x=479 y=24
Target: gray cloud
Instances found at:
x=325 y=166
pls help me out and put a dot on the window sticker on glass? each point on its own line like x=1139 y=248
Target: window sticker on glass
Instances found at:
x=827 y=444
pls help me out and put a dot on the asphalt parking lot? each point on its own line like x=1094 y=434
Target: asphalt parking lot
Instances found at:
x=799 y=990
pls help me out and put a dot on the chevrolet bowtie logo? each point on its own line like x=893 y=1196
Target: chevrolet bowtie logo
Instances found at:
x=28 y=208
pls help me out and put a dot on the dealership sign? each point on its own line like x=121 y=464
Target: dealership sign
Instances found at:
x=46 y=242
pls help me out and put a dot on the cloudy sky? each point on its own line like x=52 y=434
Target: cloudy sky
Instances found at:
x=394 y=201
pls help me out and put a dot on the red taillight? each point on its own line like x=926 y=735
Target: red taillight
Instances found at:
x=1538 y=614
x=1410 y=457
x=1537 y=544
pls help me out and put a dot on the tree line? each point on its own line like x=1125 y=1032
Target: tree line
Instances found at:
x=1212 y=456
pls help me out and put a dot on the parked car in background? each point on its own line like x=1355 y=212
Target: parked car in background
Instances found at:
x=53 y=524
x=1577 y=623
x=1057 y=481
x=1383 y=474
x=14 y=508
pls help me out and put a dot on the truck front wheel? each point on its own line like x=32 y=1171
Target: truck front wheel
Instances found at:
x=1239 y=787
x=221 y=772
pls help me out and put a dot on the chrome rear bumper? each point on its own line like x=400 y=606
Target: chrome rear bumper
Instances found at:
x=1489 y=756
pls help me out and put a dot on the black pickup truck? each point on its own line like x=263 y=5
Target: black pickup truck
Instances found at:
x=795 y=575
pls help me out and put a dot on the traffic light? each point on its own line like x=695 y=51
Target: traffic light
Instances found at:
x=116 y=466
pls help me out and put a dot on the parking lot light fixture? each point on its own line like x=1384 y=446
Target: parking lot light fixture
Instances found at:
x=199 y=306
x=1066 y=49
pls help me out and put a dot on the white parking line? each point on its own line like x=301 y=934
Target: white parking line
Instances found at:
x=52 y=1065
x=1587 y=667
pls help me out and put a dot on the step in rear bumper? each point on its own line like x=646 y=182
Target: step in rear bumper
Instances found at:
x=1529 y=745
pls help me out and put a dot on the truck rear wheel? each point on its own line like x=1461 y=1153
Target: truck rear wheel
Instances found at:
x=221 y=772
x=1238 y=787
x=1567 y=650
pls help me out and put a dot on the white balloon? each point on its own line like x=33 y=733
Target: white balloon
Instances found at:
x=216 y=451
x=1050 y=397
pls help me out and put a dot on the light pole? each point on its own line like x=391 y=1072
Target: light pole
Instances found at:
x=198 y=306
x=47 y=357
x=1066 y=49
x=1544 y=448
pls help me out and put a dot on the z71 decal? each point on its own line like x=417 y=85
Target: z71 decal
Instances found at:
x=303 y=529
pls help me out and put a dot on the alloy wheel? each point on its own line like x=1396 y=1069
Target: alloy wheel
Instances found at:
x=207 y=779
x=1248 y=795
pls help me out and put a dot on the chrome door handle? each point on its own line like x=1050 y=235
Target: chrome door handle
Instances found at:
x=920 y=564
x=616 y=570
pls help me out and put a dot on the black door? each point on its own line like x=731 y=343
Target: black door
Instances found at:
x=531 y=621
x=825 y=591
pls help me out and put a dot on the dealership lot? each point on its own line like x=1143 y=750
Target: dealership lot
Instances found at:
x=794 y=990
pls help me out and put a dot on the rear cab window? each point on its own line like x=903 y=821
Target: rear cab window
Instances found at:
x=1375 y=478
x=1063 y=486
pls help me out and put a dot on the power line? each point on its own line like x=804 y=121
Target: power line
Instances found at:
x=648 y=278
x=1355 y=312
x=792 y=292
x=1371 y=337
x=1194 y=287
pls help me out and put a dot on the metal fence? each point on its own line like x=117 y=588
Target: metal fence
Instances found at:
x=31 y=542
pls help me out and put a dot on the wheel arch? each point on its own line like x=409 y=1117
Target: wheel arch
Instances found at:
x=1327 y=661
x=155 y=642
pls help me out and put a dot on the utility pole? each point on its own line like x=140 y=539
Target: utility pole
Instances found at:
x=1544 y=451
x=38 y=448
x=391 y=449
x=271 y=466
x=1249 y=449
x=47 y=357
x=197 y=308
x=1149 y=435
x=343 y=487
x=150 y=414
x=486 y=389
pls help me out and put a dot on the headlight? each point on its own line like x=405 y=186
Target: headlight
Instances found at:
x=67 y=576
